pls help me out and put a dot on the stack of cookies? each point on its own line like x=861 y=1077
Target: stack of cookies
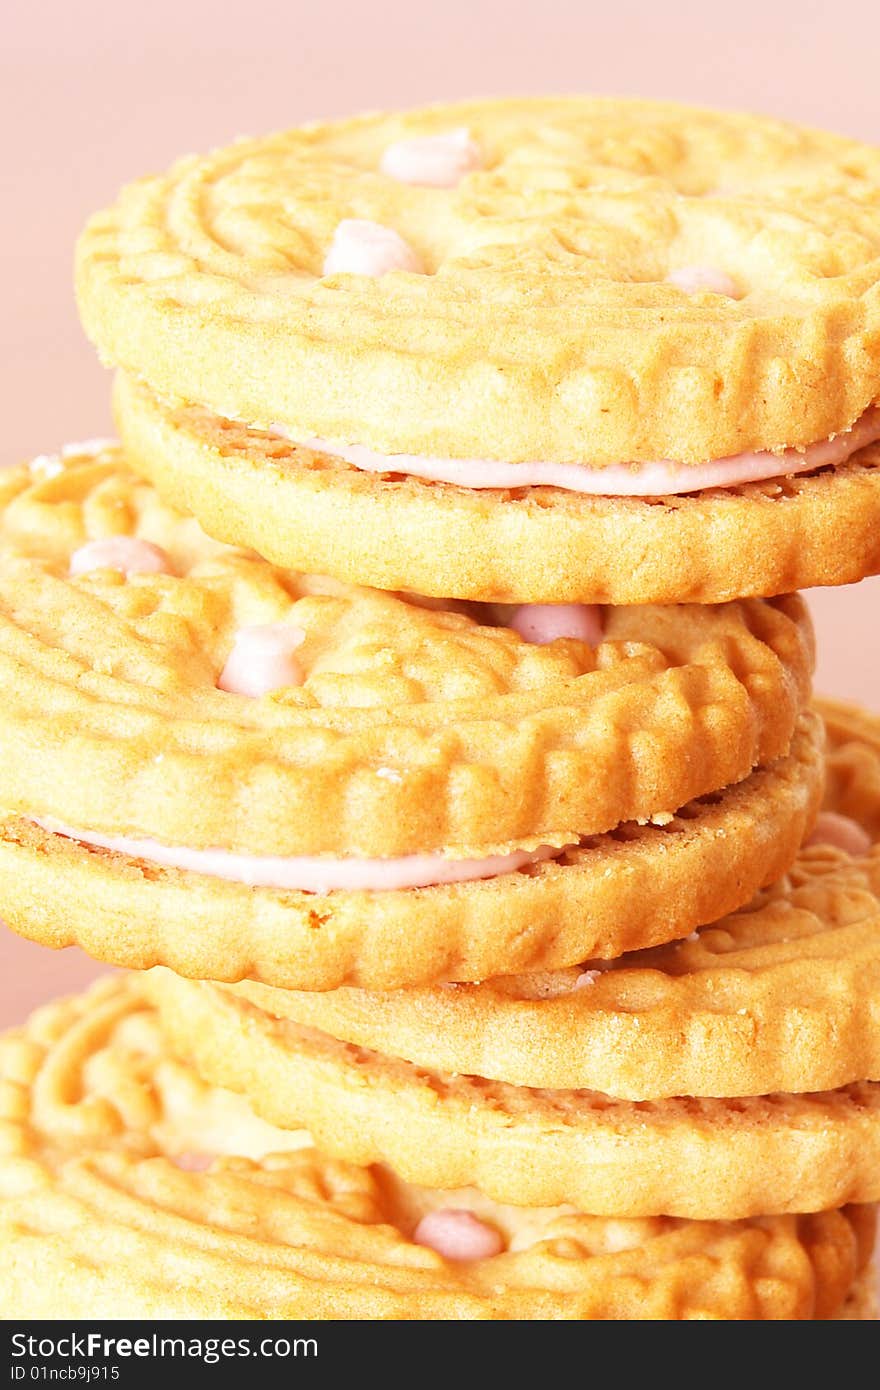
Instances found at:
x=419 y=700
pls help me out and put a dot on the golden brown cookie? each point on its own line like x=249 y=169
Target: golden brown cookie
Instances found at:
x=308 y=509
x=861 y=1305
x=698 y=1158
x=779 y=996
x=533 y=350
x=600 y=282
x=399 y=738
x=130 y=1188
x=615 y=893
x=852 y=762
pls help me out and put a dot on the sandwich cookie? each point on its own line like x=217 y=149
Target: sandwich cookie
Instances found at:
x=862 y=1304
x=130 y=1188
x=240 y=771
x=495 y=342
x=852 y=764
x=778 y=996
x=306 y=506
x=696 y=1157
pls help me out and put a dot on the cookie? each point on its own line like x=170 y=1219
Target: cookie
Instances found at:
x=610 y=282
x=853 y=763
x=617 y=892
x=779 y=996
x=861 y=1305
x=705 y=1159
x=307 y=508
x=339 y=784
x=130 y=1188
x=495 y=380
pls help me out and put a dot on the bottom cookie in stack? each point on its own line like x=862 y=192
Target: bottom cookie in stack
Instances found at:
x=130 y=1187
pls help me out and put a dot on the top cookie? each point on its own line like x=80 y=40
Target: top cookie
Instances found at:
x=567 y=280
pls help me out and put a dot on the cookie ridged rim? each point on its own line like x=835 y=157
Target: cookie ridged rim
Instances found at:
x=620 y=891
x=683 y=701
x=539 y=545
x=779 y=996
x=206 y=283
x=704 y=1159
x=96 y=1221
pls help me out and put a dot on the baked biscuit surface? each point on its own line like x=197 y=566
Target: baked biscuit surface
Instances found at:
x=309 y=830
x=310 y=509
x=738 y=1071
x=409 y=728
x=128 y=1187
x=779 y=996
x=541 y=295
x=693 y=1157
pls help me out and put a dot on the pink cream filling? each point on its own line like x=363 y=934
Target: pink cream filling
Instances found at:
x=540 y=623
x=840 y=832
x=660 y=479
x=306 y=874
x=458 y=1235
x=361 y=247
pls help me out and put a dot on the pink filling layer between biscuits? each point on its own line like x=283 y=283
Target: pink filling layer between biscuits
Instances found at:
x=840 y=832
x=308 y=874
x=660 y=479
x=458 y=1235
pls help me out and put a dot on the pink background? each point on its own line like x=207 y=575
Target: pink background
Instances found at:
x=95 y=93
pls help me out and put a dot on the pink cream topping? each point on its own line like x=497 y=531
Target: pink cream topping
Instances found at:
x=660 y=479
x=840 y=832
x=262 y=660
x=435 y=161
x=697 y=279
x=360 y=247
x=458 y=1235
x=192 y=1162
x=125 y=553
x=544 y=622
x=308 y=874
